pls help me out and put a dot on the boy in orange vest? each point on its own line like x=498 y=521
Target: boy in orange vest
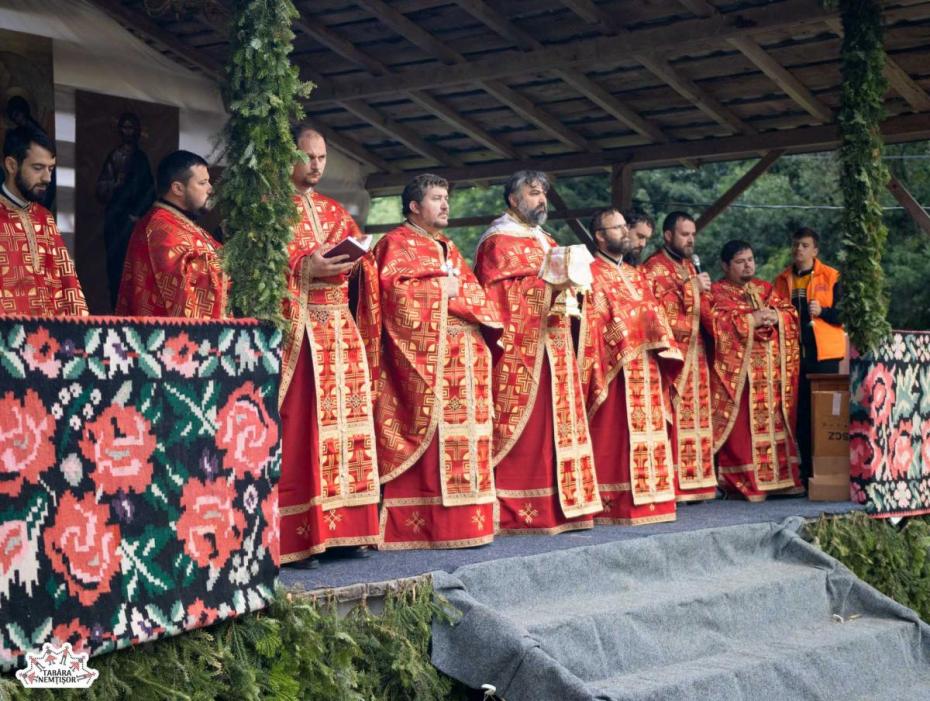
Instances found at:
x=814 y=289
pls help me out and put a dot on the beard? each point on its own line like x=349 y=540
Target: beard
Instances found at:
x=196 y=212
x=34 y=194
x=536 y=216
x=633 y=256
x=618 y=249
x=684 y=252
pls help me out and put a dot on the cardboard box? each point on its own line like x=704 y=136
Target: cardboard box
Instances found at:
x=829 y=488
x=830 y=466
x=830 y=418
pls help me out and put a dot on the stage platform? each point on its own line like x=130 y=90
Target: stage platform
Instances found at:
x=337 y=571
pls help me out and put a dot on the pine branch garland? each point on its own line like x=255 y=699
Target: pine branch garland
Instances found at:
x=263 y=95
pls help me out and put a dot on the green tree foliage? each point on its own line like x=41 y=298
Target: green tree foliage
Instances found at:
x=865 y=305
x=263 y=94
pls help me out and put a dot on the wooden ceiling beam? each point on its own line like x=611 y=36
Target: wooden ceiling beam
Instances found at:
x=662 y=69
x=528 y=110
x=401 y=132
x=684 y=36
x=695 y=94
x=144 y=25
x=468 y=126
x=587 y=87
x=902 y=83
x=410 y=30
x=911 y=127
x=484 y=13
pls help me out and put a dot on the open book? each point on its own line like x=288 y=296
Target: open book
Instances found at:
x=347 y=247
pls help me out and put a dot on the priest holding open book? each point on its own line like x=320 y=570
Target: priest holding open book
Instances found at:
x=328 y=492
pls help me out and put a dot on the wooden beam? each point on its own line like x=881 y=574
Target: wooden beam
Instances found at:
x=662 y=69
x=144 y=25
x=737 y=189
x=906 y=86
x=695 y=94
x=779 y=75
x=410 y=30
x=913 y=207
x=471 y=128
x=903 y=84
x=910 y=127
x=573 y=223
x=528 y=110
x=591 y=13
x=402 y=133
x=611 y=105
x=594 y=92
x=483 y=12
x=314 y=28
x=684 y=36
x=621 y=186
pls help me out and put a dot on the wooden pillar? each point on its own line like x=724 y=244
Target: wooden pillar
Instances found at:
x=918 y=213
x=621 y=186
x=738 y=188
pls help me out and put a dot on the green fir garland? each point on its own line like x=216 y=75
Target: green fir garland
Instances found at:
x=864 y=305
x=263 y=95
x=299 y=648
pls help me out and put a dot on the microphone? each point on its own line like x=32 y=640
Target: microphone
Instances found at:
x=696 y=259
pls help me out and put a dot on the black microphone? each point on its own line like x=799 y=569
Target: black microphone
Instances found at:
x=697 y=262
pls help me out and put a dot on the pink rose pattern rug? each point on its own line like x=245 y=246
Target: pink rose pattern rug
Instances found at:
x=137 y=468
x=889 y=426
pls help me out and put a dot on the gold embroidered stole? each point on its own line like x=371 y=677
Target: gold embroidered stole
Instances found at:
x=342 y=391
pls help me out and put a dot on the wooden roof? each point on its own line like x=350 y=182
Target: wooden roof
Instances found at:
x=476 y=88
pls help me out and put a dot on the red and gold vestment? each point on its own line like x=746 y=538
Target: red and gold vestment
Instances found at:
x=754 y=381
x=37 y=275
x=172 y=268
x=432 y=373
x=675 y=285
x=628 y=361
x=328 y=492
x=544 y=466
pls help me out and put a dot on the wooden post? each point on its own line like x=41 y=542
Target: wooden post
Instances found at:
x=740 y=186
x=918 y=213
x=621 y=186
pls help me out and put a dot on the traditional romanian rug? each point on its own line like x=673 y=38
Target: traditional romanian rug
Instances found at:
x=889 y=426
x=138 y=464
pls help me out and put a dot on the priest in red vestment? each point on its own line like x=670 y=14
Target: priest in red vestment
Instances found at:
x=683 y=293
x=544 y=467
x=37 y=276
x=422 y=311
x=629 y=361
x=328 y=491
x=754 y=380
x=172 y=265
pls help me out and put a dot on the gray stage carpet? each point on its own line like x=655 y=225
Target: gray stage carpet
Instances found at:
x=727 y=614
x=338 y=571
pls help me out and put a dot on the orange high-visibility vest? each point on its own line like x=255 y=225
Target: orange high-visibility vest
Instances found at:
x=830 y=338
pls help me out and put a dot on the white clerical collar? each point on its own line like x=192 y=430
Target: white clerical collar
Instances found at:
x=18 y=201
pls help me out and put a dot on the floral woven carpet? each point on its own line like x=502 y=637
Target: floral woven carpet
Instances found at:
x=889 y=426
x=137 y=468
